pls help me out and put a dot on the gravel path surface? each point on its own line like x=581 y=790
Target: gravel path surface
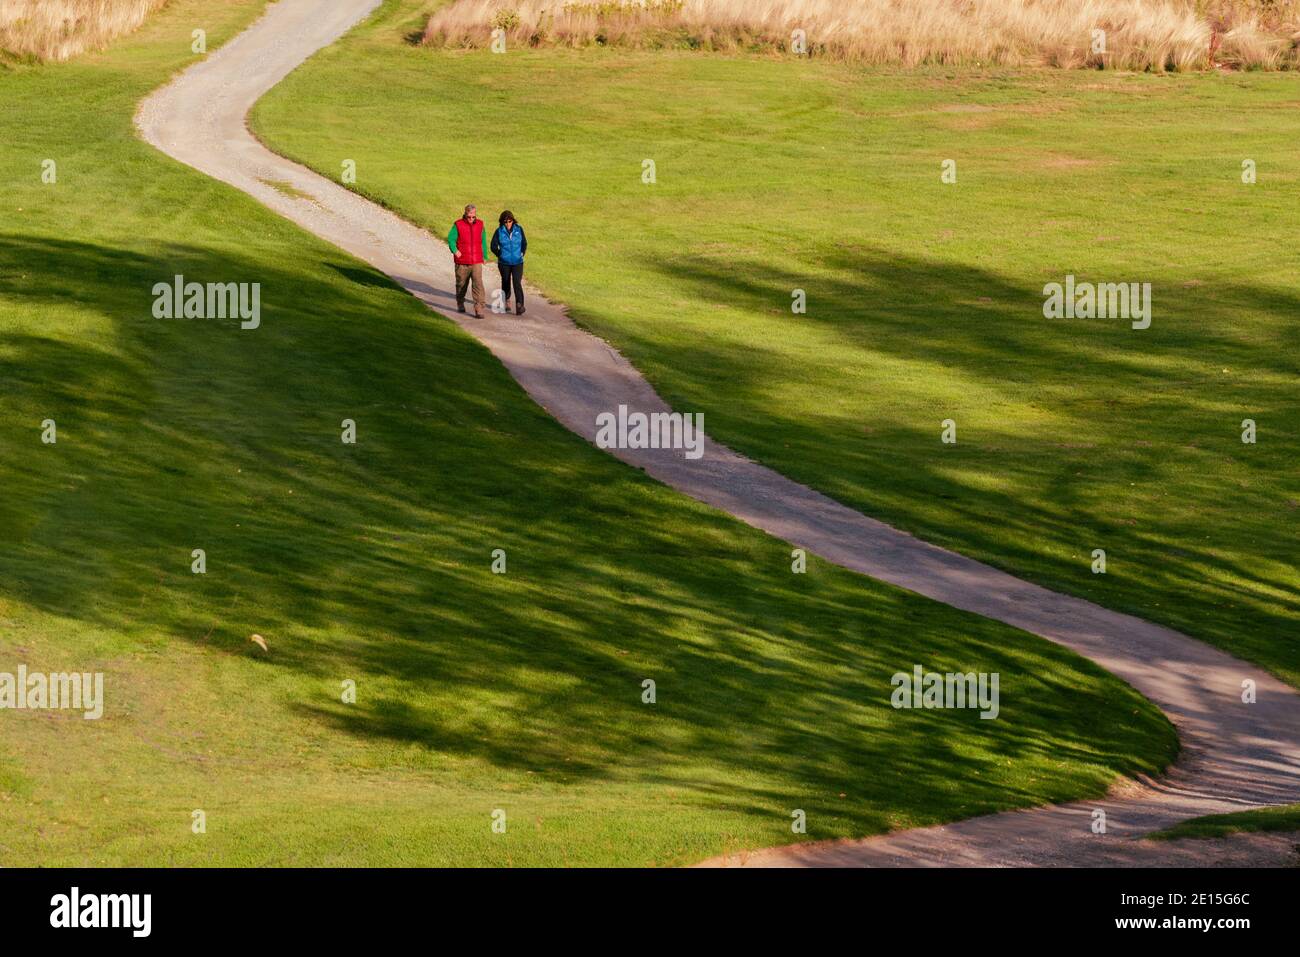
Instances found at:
x=1235 y=755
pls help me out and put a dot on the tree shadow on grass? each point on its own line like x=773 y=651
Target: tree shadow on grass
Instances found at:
x=373 y=561
x=1147 y=409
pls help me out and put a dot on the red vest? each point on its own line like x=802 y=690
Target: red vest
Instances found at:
x=469 y=242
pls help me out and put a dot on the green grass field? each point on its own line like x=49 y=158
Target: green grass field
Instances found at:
x=371 y=563
x=1284 y=817
x=924 y=299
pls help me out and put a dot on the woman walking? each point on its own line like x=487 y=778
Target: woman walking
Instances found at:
x=509 y=245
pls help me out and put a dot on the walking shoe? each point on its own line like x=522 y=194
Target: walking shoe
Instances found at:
x=519 y=309
x=460 y=305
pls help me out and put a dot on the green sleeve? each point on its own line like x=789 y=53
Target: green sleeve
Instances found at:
x=451 y=239
x=487 y=257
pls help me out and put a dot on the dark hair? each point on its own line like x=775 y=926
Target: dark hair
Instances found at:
x=506 y=215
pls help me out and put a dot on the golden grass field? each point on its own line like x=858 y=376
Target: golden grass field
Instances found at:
x=60 y=29
x=1139 y=34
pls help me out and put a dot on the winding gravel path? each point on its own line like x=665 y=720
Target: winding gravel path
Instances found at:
x=1235 y=755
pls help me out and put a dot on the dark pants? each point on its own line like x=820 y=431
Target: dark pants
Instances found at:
x=509 y=275
x=465 y=275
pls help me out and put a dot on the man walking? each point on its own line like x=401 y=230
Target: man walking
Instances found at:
x=468 y=242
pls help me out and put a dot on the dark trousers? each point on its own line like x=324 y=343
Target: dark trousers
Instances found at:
x=509 y=275
x=465 y=275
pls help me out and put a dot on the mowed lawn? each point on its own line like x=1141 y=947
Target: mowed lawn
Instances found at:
x=1283 y=817
x=371 y=563
x=924 y=299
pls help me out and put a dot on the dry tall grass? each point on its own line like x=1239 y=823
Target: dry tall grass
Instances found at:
x=1139 y=34
x=59 y=29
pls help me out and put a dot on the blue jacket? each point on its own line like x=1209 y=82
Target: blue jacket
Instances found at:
x=509 y=246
